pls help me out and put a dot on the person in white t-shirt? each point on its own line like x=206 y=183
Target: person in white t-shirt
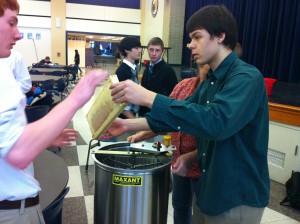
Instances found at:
x=21 y=143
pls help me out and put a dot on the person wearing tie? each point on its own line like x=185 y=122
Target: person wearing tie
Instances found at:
x=130 y=49
x=158 y=76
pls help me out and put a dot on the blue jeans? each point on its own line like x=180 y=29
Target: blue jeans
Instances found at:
x=182 y=198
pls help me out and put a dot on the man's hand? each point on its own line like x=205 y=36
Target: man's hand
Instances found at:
x=65 y=138
x=183 y=163
x=85 y=89
x=116 y=128
x=120 y=126
x=128 y=91
x=140 y=136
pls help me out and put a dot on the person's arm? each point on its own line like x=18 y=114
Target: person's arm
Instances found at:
x=218 y=120
x=184 y=162
x=65 y=138
x=40 y=134
x=120 y=126
x=128 y=114
x=140 y=136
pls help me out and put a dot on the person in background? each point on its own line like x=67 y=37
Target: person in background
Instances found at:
x=107 y=50
x=185 y=171
x=77 y=60
x=130 y=48
x=21 y=143
x=202 y=71
x=228 y=114
x=118 y=57
x=45 y=61
x=158 y=76
x=17 y=65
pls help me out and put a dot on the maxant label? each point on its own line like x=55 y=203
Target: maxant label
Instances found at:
x=127 y=180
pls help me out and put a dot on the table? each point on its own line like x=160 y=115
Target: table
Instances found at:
x=51 y=70
x=48 y=69
x=52 y=173
x=40 y=78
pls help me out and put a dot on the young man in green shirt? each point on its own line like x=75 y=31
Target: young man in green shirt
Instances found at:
x=228 y=113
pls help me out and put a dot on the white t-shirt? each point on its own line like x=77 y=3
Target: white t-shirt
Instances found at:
x=17 y=65
x=15 y=184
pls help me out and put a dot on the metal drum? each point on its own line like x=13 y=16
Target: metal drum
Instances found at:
x=131 y=188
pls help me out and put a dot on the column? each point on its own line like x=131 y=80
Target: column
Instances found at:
x=58 y=31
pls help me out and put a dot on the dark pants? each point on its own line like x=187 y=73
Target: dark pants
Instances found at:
x=77 y=65
x=182 y=198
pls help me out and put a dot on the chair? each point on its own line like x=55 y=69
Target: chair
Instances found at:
x=59 y=73
x=188 y=73
x=56 y=87
x=34 y=113
x=34 y=72
x=61 y=87
x=73 y=72
x=47 y=84
x=53 y=213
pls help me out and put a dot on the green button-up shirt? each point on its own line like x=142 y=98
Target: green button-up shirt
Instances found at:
x=228 y=113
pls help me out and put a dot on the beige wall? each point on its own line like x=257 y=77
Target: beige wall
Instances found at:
x=168 y=25
x=34 y=50
x=176 y=30
x=40 y=17
x=92 y=18
x=151 y=27
x=80 y=46
x=58 y=31
x=166 y=22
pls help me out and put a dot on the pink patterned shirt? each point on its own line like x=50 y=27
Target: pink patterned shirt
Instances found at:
x=185 y=142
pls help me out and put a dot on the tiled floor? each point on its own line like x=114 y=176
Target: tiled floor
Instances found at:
x=78 y=204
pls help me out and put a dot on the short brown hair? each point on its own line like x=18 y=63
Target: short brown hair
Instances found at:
x=156 y=41
x=215 y=19
x=9 y=4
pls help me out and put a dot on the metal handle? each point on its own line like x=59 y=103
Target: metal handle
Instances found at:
x=296 y=150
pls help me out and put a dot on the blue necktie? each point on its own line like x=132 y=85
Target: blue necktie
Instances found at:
x=135 y=74
x=150 y=71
